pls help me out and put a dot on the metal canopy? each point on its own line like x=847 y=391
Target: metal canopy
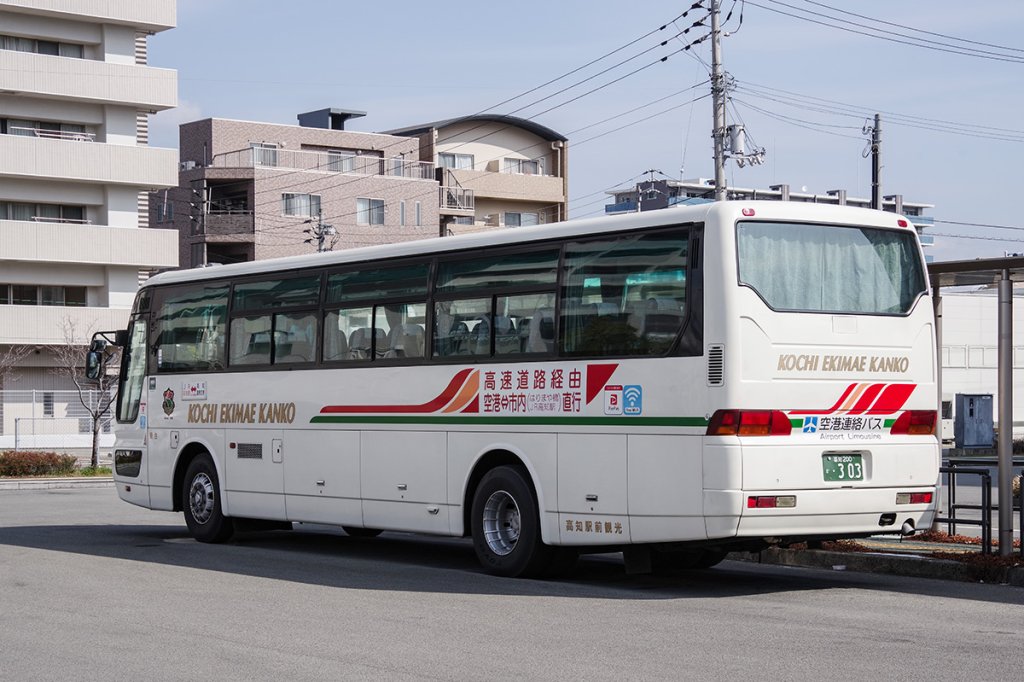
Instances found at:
x=978 y=272
x=1001 y=273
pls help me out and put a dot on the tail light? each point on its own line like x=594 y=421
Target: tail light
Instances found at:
x=749 y=423
x=915 y=423
x=771 y=501
x=913 y=498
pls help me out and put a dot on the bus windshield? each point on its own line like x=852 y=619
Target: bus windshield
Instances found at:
x=802 y=267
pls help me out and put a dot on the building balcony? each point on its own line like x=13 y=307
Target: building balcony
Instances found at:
x=77 y=161
x=44 y=242
x=44 y=324
x=87 y=80
x=457 y=201
x=239 y=226
x=621 y=207
x=511 y=186
x=151 y=15
x=324 y=162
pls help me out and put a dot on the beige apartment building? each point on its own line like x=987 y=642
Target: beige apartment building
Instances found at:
x=513 y=171
x=250 y=191
x=75 y=95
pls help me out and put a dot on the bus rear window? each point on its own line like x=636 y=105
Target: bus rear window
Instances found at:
x=803 y=267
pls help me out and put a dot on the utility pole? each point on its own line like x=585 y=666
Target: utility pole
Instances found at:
x=718 y=99
x=320 y=231
x=876 y=163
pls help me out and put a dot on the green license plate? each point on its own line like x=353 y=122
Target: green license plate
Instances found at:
x=842 y=467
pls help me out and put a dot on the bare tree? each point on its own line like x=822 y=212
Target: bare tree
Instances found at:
x=97 y=396
x=10 y=359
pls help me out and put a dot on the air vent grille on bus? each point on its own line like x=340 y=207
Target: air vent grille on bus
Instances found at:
x=716 y=365
x=250 y=451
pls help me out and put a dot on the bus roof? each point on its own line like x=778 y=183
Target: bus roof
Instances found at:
x=725 y=210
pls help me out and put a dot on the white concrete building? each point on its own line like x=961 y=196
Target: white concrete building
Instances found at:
x=970 y=339
x=75 y=170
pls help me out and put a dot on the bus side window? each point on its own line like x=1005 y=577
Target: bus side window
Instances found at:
x=250 y=340
x=348 y=335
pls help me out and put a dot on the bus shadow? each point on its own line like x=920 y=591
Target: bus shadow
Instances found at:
x=403 y=562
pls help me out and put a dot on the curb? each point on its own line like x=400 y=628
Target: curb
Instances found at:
x=908 y=565
x=55 y=483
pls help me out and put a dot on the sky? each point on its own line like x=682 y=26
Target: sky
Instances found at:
x=952 y=133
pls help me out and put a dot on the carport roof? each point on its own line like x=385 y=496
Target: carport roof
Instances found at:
x=978 y=272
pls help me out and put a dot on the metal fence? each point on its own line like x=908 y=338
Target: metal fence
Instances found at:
x=50 y=420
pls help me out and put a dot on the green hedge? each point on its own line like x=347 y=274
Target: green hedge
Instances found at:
x=28 y=463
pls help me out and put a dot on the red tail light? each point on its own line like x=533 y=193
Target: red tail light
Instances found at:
x=915 y=423
x=913 y=498
x=749 y=423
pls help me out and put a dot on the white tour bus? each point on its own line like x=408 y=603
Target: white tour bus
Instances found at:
x=672 y=384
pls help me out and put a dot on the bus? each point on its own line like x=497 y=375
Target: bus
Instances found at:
x=674 y=384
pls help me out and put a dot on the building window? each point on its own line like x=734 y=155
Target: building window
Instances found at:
x=339 y=161
x=47 y=404
x=30 y=294
x=307 y=205
x=464 y=220
x=49 y=47
x=419 y=215
x=42 y=213
x=401 y=212
x=524 y=166
x=519 y=219
x=455 y=161
x=264 y=153
x=370 y=211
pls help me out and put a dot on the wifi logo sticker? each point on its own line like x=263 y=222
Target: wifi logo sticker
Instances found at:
x=632 y=399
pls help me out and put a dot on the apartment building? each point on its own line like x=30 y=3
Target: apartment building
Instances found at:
x=250 y=191
x=495 y=171
x=75 y=95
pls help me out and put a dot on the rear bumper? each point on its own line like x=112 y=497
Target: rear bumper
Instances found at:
x=818 y=513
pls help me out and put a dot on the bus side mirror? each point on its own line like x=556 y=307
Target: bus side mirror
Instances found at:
x=121 y=338
x=93 y=364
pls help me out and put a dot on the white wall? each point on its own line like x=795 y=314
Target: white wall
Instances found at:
x=970 y=337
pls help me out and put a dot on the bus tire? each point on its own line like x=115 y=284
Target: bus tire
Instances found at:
x=200 y=499
x=710 y=557
x=505 y=525
x=356 y=532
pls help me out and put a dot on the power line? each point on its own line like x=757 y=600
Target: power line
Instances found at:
x=911 y=28
x=922 y=43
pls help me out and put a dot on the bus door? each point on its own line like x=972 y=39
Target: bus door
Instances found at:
x=131 y=457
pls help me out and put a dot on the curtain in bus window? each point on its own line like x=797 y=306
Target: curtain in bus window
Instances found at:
x=624 y=296
x=374 y=283
x=277 y=293
x=189 y=329
x=815 y=268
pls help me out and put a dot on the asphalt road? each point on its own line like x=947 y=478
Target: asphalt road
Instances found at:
x=93 y=588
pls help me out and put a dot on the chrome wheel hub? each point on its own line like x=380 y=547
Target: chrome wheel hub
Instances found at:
x=501 y=523
x=201 y=498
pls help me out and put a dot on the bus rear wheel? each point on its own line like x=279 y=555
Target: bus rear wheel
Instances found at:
x=200 y=499
x=506 y=526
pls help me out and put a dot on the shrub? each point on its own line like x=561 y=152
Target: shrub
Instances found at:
x=29 y=463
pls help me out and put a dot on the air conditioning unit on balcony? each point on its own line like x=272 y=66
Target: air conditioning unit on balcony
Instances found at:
x=186 y=165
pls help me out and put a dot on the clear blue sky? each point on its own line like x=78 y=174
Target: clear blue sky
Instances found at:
x=407 y=62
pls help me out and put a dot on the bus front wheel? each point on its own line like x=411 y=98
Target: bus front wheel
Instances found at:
x=200 y=498
x=506 y=526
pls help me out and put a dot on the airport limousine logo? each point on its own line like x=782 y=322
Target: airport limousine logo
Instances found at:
x=810 y=424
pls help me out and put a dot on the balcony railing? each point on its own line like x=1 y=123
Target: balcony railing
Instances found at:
x=457 y=199
x=69 y=221
x=52 y=134
x=324 y=162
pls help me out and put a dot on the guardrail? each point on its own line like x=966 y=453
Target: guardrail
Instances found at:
x=981 y=468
